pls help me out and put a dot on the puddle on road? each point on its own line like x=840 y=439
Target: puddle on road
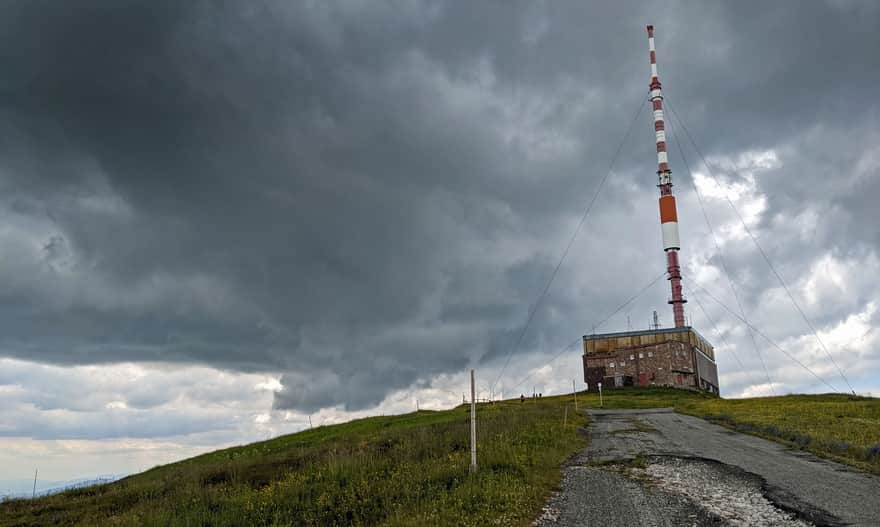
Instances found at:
x=735 y=497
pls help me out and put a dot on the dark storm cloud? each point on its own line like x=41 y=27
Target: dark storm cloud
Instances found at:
x=362 y=196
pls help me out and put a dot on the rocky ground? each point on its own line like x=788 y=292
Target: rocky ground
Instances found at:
x=735 y=496
x=658 y=468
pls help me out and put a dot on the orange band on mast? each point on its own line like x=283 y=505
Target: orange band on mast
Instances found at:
x=667 y=209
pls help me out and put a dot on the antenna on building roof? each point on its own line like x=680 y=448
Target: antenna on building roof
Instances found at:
x=656 y=324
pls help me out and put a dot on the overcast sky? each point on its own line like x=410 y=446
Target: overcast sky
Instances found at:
x=220 y=218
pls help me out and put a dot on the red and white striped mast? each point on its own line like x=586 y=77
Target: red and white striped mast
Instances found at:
x=668 y=216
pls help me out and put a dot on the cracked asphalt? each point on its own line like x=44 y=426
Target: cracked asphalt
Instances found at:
x=659 y=468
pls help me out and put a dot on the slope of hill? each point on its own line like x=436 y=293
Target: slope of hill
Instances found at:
x=24 y=488
x=413 y=469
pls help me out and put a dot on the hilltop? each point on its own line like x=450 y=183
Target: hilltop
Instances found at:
x=412 y=469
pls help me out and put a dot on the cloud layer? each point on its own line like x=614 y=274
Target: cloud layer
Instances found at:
x=358 y=199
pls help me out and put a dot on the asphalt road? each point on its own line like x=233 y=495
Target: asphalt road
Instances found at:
x=658 y=468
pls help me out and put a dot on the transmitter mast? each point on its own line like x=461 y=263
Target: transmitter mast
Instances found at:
x=668 y=215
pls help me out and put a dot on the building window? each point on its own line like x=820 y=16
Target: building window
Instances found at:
x=611 y=365
x=650 y=353
x=622 y=363
x=641 y=355
x=632 y=357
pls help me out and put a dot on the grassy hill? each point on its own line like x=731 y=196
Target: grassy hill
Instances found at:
x=413 y=469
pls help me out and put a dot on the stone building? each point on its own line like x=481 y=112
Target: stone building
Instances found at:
x=677 y=357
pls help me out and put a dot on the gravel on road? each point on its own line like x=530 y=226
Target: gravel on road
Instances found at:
x=659 y=468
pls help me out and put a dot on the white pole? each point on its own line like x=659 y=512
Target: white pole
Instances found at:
x=473 y=425
x=574 y=391
x=310 y=421
x=34 y=495
x=601 y=404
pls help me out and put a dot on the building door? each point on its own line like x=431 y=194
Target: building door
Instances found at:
x=643 y=379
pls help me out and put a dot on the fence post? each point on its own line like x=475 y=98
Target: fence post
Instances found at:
x=473 y=425
x=574 y=391
x=565 y=417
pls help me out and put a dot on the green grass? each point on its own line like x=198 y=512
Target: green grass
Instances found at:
x=413 y=469
x=401 y=470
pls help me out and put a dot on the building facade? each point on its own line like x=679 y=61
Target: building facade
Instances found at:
x=676 y=357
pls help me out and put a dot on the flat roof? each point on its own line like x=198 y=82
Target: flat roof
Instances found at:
x=658 y=331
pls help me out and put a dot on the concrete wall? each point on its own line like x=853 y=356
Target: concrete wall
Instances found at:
x=708 y=373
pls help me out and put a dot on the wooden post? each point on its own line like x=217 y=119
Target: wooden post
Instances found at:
x=574 y=391
x=565 y=417
x=473 y=425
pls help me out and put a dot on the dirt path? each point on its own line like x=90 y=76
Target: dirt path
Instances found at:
x=658 y=468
